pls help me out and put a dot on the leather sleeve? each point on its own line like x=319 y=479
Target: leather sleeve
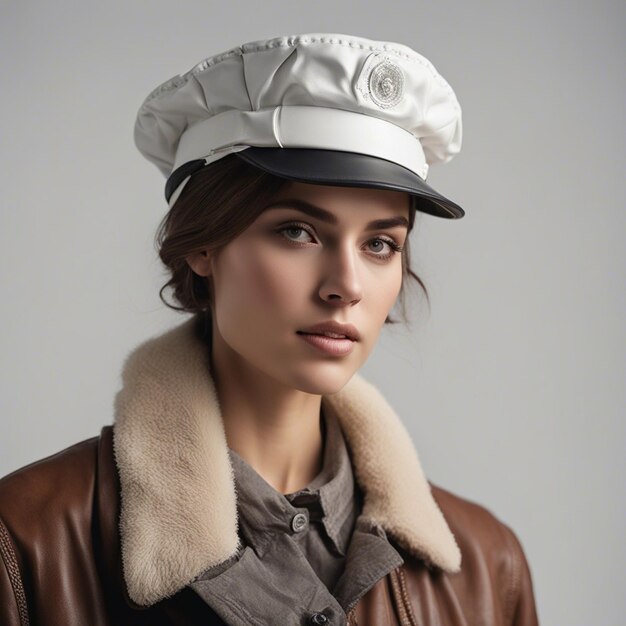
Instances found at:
x=13 y=609
x=522 y=599
x=48 y=572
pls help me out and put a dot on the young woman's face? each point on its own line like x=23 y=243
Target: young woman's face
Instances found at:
x=314 y=255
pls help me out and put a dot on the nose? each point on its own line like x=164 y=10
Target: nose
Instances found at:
x=341 y=283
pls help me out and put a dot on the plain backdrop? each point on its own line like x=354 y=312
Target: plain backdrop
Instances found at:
x=511 y=385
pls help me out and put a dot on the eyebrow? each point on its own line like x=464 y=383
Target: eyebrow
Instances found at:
x=327 y=216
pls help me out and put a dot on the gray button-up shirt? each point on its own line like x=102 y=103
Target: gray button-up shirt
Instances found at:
x=303 y=553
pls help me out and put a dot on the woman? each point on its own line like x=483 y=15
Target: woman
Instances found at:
x=251 y=476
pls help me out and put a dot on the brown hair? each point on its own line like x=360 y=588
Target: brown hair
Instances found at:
x=216 y=205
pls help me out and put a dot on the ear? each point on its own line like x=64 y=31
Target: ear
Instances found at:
x=200 y=262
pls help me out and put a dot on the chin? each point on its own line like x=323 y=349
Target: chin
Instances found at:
x=323 y=379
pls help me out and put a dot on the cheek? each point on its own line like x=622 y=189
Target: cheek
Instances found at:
x=387 y=292
x=256 y=284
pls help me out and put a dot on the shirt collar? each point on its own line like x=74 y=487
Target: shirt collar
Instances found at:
x=329 y=497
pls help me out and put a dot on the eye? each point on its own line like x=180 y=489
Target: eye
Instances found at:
x=394 y=247
x=293 y=232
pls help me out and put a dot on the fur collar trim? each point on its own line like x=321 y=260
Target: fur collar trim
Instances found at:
x=178 y=504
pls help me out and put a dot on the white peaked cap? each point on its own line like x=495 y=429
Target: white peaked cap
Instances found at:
x=319 y=107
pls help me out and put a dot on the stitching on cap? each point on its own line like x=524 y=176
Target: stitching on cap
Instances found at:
x=198 y=68
x=291 y=41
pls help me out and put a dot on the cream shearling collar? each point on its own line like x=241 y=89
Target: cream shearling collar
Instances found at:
x=178 y=512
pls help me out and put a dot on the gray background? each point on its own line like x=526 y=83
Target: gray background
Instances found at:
x=512 y=385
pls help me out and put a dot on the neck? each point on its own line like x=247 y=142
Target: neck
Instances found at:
x=276 y=429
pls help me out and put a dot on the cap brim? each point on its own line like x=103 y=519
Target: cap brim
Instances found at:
x=350 y=169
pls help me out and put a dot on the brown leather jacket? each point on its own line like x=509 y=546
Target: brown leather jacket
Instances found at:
x=114 y=530
x=61 y=562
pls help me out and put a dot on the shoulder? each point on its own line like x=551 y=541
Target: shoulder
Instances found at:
x=478 y=531
x=46 y=489
x=473 y=523
x=491 y=556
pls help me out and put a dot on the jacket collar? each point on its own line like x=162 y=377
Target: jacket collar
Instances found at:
x=178 y=512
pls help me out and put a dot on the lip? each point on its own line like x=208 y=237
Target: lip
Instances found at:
x=328 y=345
x=331 y=326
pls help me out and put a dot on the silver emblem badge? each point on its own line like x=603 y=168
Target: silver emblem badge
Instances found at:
x=381 y=81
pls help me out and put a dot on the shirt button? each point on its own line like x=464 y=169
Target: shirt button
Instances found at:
x=318 y=618
x=298 y=523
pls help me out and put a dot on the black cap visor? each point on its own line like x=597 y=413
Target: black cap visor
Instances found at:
x=350 y=169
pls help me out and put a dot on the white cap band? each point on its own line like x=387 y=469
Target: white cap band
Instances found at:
x=303 y=127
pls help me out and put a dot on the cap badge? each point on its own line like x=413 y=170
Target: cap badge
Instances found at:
x=381 y=81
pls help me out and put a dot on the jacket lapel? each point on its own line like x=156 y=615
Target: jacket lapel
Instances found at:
x=178 y=505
